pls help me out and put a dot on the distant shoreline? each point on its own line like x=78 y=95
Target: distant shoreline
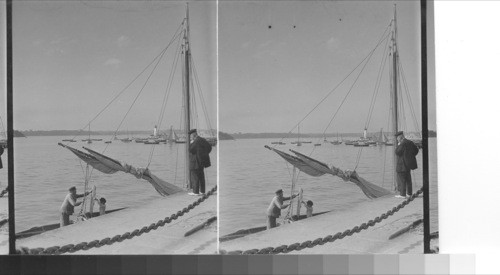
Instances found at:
x=222 y=135
x=312 y=135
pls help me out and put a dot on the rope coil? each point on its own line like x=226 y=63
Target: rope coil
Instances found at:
x=71 y=248
x=327 y=239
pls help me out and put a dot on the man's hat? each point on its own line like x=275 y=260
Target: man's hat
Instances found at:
x=72 y=188
x=278 y=191
x=398 y=133
x=192 y=131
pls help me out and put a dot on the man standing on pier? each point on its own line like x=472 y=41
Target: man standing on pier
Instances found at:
x=199 y=159
x=406 y=161
x=68 y=205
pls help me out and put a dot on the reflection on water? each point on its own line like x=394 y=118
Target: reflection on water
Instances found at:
x=250 y=174
x=44 y=171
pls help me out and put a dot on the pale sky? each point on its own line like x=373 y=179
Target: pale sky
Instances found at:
x=278 y=59
x=72 y=57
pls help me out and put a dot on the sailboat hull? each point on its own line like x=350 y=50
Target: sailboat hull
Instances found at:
x=44 y=228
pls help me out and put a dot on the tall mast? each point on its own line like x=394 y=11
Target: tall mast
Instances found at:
x=187 y=83
x=394 y=89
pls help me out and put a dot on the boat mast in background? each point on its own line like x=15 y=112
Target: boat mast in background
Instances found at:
x=187 y=82
x=394 y=93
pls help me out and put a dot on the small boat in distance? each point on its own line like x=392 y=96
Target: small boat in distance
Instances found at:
x=152 y=141
x=337 y=142
x=298 y=143
x=278 y=142
x=361 y=144
x=69 y=140
x=127 y=139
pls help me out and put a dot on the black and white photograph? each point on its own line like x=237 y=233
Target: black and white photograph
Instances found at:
x=4 y=192
x=117 y=101
x=341 y=131
x=320 y=103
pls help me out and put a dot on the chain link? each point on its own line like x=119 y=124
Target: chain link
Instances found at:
x=327 y=239
x=71 y=248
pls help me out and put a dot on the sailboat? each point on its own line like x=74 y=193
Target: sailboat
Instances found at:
x=337 y=142
x=153 y=139
x=382 y=138
x=316 y=168
x=88 y=140
x=109 y=165
x=178 y=139
x=127 y=139
x=298 y=143
x=170 y=137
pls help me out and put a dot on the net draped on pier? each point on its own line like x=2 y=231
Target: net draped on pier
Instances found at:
x=108 y=165
x=316 y=168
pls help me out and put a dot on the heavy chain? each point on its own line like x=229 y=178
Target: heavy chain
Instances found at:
x=327 y=239
x=71 y=248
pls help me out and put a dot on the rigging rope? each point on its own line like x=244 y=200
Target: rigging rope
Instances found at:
x=165 y=97
x=352 y=86
x=134 y=79
x=289 y=213
x=194 y=108
x=385 y=151
x=377 y=85
x=84 y=203
x=137 y=97
x=169 y=84
x=348 y=93
x=410 y=103
x=200 y=93
x=383 y=37
x=155 y=59
x=401 y=109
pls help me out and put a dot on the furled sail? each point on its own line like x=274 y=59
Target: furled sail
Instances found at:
x=300 y=164
x=316 y=168
x=108 y=165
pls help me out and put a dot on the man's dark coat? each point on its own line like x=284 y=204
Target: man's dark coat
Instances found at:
x=406 y=152
x=198 y=154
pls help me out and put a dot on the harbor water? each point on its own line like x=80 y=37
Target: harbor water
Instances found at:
x=249 y=175
x=44 y=171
